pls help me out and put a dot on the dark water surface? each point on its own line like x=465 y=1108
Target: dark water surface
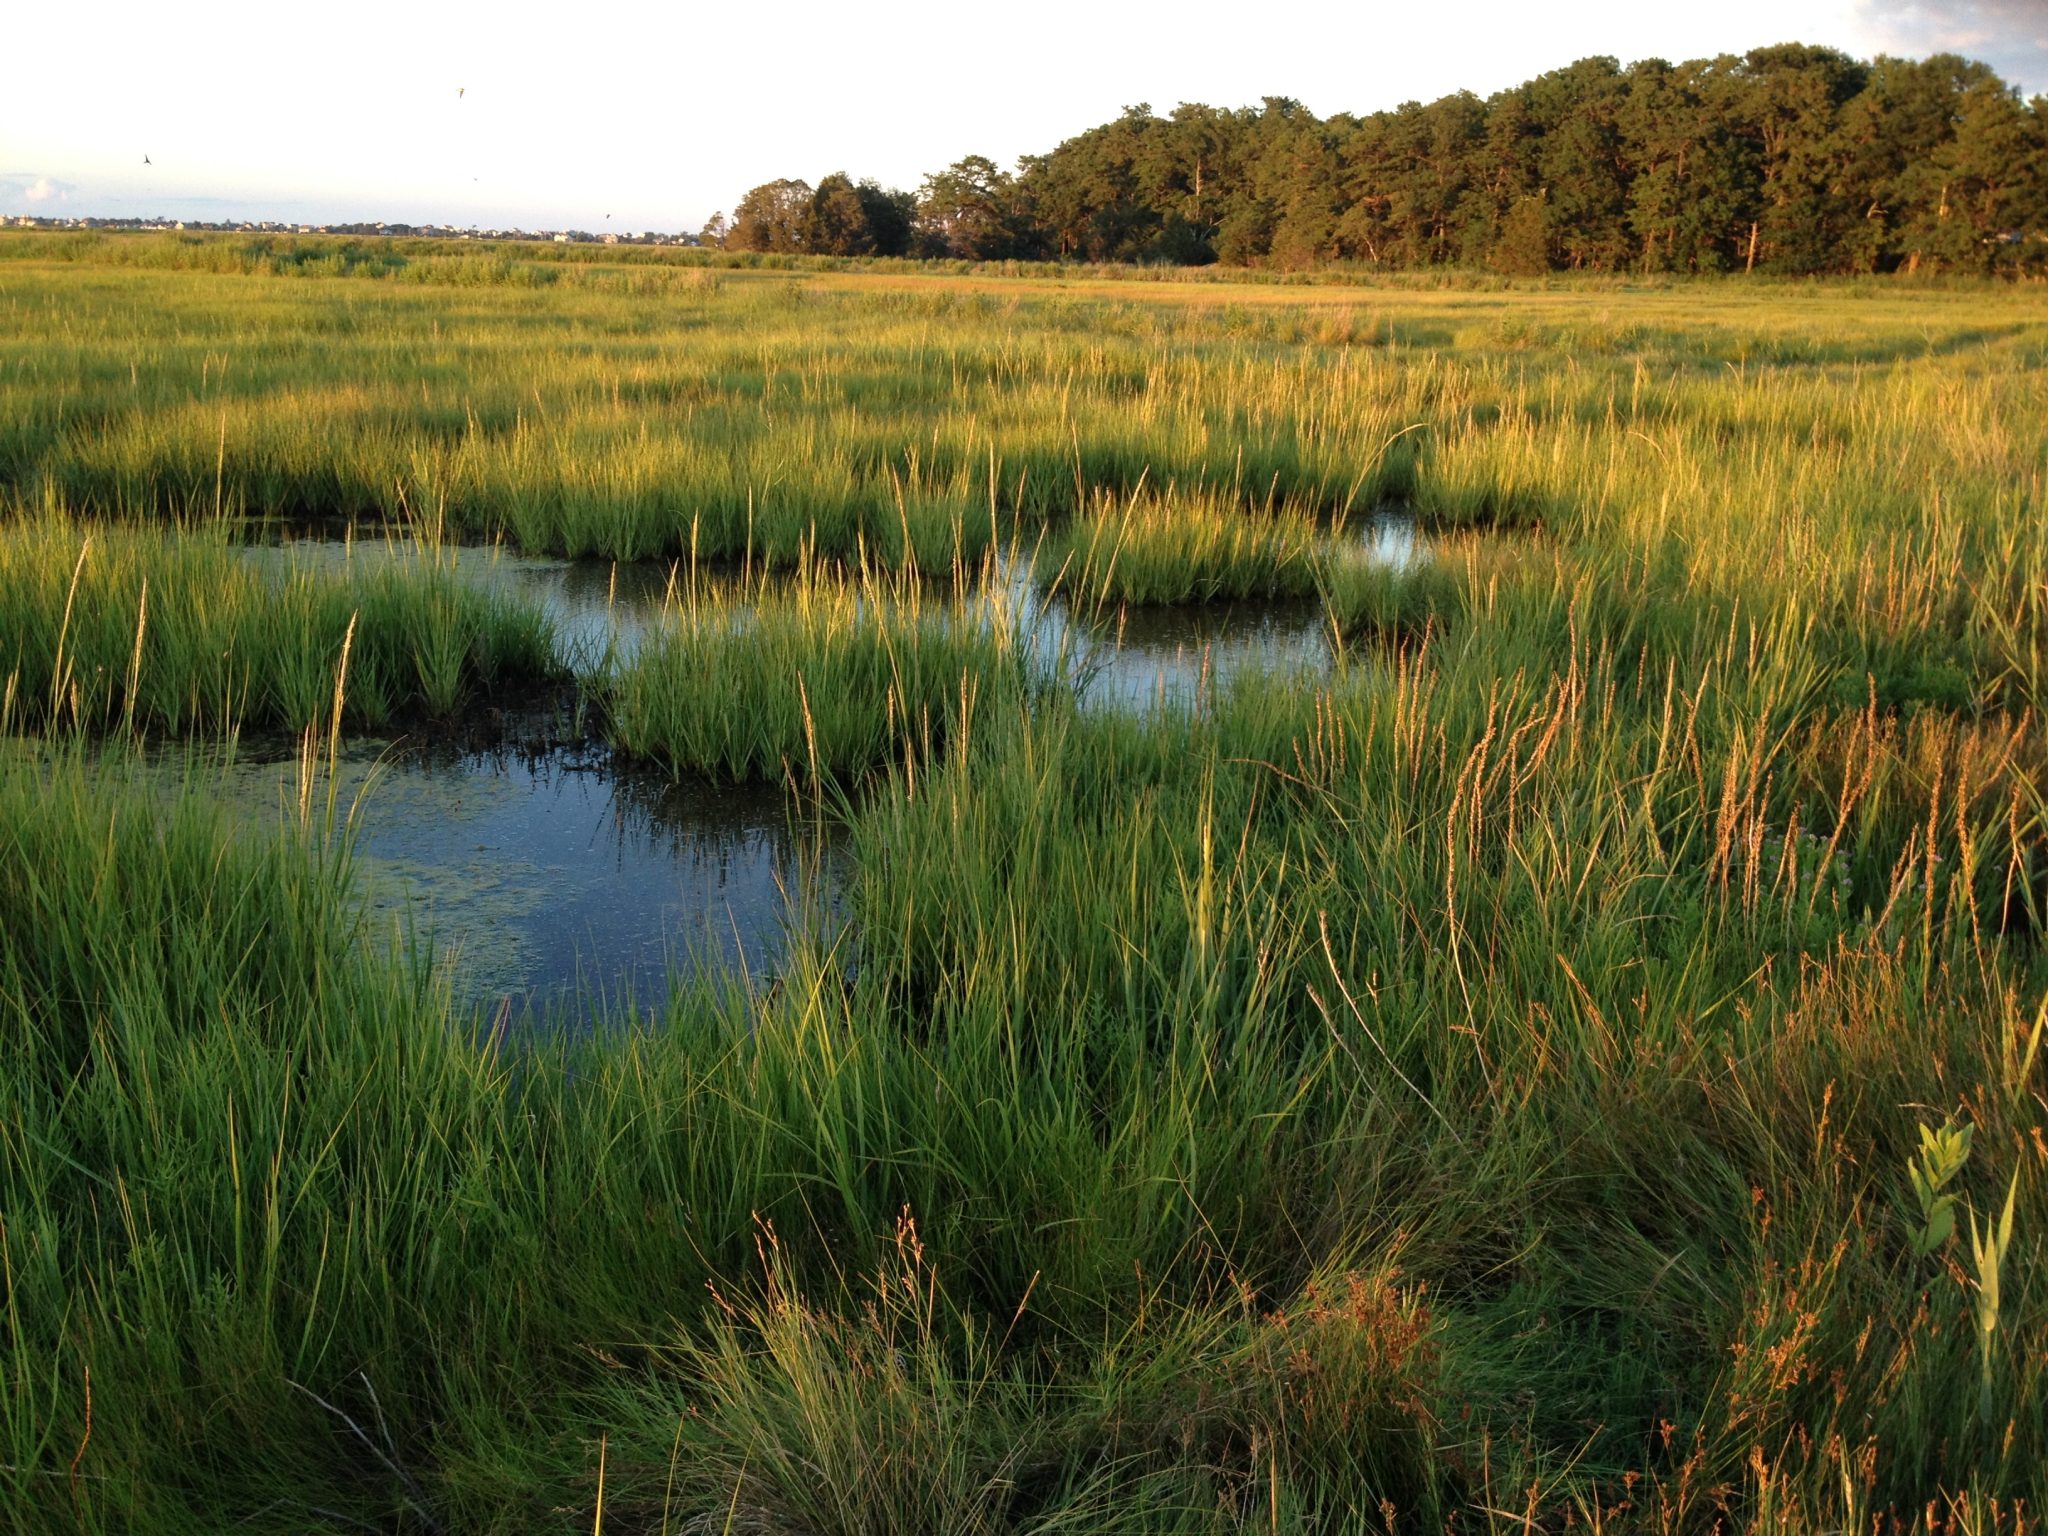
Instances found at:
x=551 y=879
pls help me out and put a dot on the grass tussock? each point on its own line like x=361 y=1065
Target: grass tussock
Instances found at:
x=825 y=677
x=123 y=627
x=1171 y=548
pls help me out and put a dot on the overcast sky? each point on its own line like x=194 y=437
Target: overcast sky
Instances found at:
x=625 y=116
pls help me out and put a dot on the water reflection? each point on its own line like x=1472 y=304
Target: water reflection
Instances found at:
x=1135 y=657
x=547 y=879
x=600 y=608
x=1389 y=537
x=550 y=877
x=546 y=876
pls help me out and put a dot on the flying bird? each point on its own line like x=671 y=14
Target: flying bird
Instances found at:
x=145 y=159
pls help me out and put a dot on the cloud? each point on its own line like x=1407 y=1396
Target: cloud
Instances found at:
x=2009 y=21
x=26 y=189
x=2009 y=35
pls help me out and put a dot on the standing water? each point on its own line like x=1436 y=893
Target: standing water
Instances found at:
x=1145 y=656
x=551 y=876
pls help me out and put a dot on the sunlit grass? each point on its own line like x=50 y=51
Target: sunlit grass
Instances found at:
x=824 y=677
x=1564 y=1066
x=118 y=626
x=1172 y=548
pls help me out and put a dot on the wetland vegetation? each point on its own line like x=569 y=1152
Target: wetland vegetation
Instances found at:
x=1404 y=909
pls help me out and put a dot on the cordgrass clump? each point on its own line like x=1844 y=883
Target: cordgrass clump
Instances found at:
x=117 y=626
x=1173 y=548
x=822 y=679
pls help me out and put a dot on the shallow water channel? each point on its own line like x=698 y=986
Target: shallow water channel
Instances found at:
x=552 y=877
x=1121 y=658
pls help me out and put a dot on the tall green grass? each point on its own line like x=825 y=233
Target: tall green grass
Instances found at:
x=1290 y=1196
x=1170 y=548
x=286 y=1235
x=822 y=678
x=1488 y=1086
x=114 y=626
x=846 y=411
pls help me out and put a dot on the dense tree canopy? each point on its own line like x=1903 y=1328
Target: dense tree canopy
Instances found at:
x=839 y=217
x=775 y=216
x=1790 y=159
x=973 y=210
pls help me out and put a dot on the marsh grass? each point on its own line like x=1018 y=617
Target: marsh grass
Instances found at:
x=1171 y=548
x=821 y=678
x=1480 y=1085
x=1165 y=1183
x=115 y=626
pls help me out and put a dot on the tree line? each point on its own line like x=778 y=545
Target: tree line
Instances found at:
x=1789 y=159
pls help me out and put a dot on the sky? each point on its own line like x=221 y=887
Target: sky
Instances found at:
x=611 y=116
